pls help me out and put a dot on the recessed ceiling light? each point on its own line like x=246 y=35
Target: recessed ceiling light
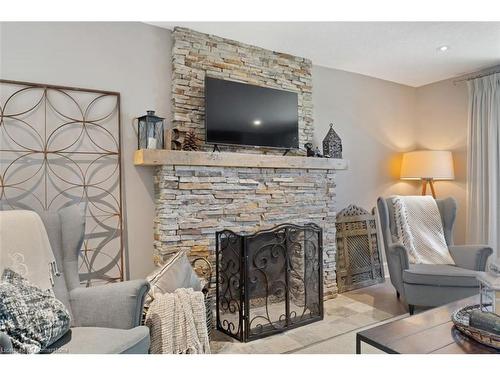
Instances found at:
x=443 y=48
x=257 y=122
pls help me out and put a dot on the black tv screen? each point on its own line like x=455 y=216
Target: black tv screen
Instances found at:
x=243 y=114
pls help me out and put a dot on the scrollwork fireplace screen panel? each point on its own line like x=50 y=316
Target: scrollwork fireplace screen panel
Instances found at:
x=270 y=281
x=61 y=146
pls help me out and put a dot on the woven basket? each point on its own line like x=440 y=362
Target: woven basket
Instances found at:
x=209 y=305
x=461 y=320
x=204 y=271
x=209 y=308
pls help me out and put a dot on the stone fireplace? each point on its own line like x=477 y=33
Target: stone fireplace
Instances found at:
x=196 y=55
x=193 y=202
x=200 y=193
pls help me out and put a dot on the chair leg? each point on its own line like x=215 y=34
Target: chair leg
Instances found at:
x=397 y=295
x=411 y=309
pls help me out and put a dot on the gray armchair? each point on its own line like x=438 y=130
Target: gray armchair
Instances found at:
x=432 y=284
x=105 y=319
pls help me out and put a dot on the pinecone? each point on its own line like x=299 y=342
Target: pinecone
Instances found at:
x=190 y=141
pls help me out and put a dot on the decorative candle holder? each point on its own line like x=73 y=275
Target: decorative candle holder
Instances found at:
x=150 y=131
x=489 y=289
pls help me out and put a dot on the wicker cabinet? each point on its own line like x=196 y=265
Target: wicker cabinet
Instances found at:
x=359 y=262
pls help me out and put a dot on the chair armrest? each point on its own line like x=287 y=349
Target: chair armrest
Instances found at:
x=116 y=305
x=472 y=257
x=397 y=262
x=399 y=254
x=5 y=344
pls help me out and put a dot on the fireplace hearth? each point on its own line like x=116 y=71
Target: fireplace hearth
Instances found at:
x=270 y=281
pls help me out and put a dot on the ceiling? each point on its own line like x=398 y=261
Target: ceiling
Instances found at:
x=402 y=52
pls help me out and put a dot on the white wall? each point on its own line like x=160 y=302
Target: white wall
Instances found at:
x=441 y=115
x=131 y=58
x=376 y=121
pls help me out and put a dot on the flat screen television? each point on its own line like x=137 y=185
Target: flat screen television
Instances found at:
x=243 y=114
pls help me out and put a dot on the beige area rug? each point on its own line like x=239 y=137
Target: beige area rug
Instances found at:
x=335 y=334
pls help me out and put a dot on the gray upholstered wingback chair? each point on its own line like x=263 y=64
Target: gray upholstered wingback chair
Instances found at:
x=105 y=319
x=431 y=284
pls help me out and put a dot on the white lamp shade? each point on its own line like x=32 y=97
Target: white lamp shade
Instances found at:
x=436 y=165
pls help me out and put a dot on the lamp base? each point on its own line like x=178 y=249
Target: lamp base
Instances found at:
x=429 y=181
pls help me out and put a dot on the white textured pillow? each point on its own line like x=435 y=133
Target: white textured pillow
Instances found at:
x=176 y=273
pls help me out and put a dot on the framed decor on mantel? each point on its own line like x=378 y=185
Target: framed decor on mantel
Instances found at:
x=61 y=146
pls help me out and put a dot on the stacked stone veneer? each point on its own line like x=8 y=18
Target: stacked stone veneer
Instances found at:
x=193 y=202
x=196 y=55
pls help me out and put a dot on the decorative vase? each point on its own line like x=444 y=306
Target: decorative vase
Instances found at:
x=309 y=149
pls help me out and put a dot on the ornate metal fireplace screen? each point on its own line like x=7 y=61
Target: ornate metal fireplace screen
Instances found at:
x=270 y=281
x=60 y=146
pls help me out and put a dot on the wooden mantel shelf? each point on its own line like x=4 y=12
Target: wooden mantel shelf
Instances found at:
x=233 y=159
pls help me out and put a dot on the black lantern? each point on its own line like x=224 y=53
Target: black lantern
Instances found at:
x=150 y=132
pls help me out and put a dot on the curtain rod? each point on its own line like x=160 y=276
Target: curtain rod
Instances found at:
x=476 y=76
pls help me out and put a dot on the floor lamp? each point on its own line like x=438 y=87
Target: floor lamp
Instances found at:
x=427 y=166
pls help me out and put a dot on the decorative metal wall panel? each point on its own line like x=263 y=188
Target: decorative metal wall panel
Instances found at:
x=359 y=262
x=270 y=281
x=61 y=146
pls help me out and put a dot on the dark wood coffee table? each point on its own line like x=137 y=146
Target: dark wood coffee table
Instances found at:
x=429 y=332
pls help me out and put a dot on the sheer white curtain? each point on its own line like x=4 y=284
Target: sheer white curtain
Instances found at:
x=483 y=162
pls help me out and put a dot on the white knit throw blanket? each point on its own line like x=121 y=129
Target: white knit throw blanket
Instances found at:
x=177 y=323
x=420 y=230
x=25 y=247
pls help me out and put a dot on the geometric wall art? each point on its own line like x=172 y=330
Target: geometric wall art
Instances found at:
x=61 y=146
